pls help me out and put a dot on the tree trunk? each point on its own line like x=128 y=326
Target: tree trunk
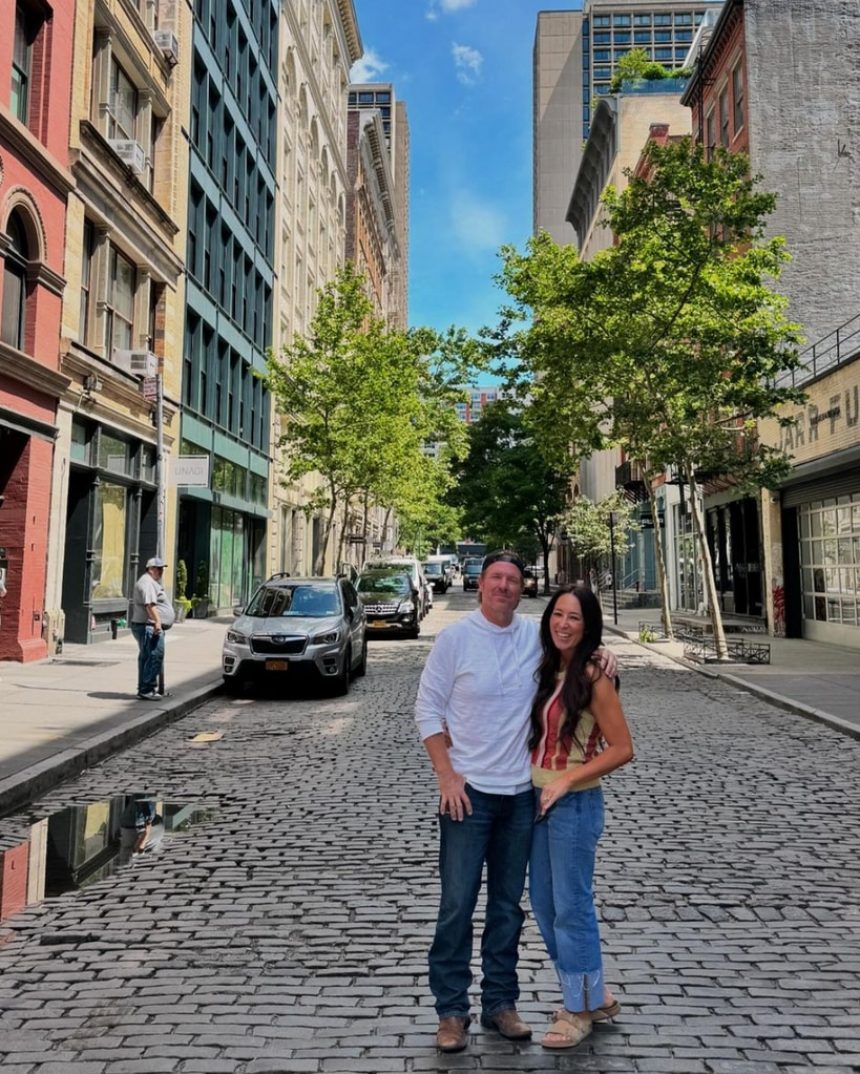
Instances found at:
x=385 y=522
x=546 y=546
x=662 y=580
x=708 y=579
x=343 y=533
x=365 y=526
x=319 y=562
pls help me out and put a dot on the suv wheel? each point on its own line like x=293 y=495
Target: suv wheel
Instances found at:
x=362 y=664
x=340 y=684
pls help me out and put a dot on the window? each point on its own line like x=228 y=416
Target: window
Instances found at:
x=12 y=323
x=724 y=117
x=642 y=37
x=22 y=63
x=663 y=20
x=662 y=36
x=622 y=38
x=682 y=19
x=119 y=311
x=641 y=20
x=620 y=20
x=738 y=97
x=602 y=55
x=600 y=20
x=710 y=134
x=602 y=39
x=662 y=54
x=86 y=273
x=123 y=104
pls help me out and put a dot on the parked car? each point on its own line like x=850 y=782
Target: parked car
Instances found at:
x=471 y=573
x=390 y=602
x=413 y=568
x=298 y=626
x=530 y=582
x=437 y=575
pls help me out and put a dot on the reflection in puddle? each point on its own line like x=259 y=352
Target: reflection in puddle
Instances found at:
x=80 y=845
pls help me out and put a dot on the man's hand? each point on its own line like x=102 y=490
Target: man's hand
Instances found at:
x=607 y=662
x=453 y=799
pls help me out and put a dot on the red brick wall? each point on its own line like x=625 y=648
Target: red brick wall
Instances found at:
x=13 y=880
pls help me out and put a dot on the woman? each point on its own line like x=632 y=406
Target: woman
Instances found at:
x=576 y=711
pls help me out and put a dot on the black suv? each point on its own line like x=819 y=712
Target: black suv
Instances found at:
x=391 y=602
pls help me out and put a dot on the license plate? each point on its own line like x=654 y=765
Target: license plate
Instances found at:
x=378 y=623
x=277 y=665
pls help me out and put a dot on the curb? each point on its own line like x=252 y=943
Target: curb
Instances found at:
x=836 y=723
x=35 y=780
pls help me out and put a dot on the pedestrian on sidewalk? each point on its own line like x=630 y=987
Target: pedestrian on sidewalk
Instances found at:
x=151 y=615
x=473 y=707
x=576 y=711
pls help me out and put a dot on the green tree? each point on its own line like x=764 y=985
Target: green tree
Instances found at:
x=675 y=335
x=359 y=400
x=637 y=65
x=508 y=494
x=593 y=528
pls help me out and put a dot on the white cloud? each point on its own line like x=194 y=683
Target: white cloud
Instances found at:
x=447 y=6
x=368 y=68
x=477 y=226
x=468 y=62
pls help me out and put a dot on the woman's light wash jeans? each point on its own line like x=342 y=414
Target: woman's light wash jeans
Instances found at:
x=561 y=888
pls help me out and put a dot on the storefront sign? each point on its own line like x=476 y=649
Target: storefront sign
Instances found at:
x=191 y=470
x=829 y=421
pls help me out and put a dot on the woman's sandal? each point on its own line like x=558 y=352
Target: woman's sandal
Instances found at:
x=607 y=1012
x=570 y=1029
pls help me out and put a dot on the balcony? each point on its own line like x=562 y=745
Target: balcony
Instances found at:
x=630 y=477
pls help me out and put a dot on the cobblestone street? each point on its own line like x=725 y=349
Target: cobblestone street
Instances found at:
x=288 y=934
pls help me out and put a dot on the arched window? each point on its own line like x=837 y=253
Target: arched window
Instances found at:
x=14 y=283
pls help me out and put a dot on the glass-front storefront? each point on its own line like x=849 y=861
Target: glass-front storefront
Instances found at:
x=829 y=542
x=111 y=528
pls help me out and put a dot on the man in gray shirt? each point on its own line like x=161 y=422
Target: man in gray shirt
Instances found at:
x=151 y=615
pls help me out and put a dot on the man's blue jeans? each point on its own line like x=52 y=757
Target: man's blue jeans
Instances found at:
x=561 y=889
x=150 y=656
x=498 y=832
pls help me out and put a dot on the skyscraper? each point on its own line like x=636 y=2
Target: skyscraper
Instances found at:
x=575 y=55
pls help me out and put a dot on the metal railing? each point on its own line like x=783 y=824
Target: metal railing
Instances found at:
x=829 y=352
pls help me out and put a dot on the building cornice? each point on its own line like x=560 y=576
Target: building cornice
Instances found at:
x=23 y=142
x=118 y=387
x=727 y=20
x=26 y=370
x=605 y=118
x=346 y=8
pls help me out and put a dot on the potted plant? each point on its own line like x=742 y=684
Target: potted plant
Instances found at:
x=181 y=603
x=200 y=600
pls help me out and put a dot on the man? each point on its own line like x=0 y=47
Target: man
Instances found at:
x=473 y=707
x=152 y=614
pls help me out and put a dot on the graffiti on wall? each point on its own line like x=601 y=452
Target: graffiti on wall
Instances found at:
x=778 y=599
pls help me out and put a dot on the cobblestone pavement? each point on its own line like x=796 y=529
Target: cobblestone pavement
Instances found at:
x=289 y=933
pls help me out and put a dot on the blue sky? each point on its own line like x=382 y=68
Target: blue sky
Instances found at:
x=464 y=68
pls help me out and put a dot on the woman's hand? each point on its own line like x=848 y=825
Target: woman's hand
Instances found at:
x=551 y=793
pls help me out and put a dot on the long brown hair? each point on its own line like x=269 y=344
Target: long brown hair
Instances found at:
x=577 y=685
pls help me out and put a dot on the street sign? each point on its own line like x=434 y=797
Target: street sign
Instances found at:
x=191 y=470
x=356 y=538
x=149 y=389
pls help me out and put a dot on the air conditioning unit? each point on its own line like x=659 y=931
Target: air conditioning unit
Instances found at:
x=143 y=363
x=166 y=41
x=139 y=363
x=130 y=153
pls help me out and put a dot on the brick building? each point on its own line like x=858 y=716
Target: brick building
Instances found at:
x=35 y=80
x=780 y=82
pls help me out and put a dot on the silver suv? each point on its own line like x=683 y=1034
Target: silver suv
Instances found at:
x=294 y=626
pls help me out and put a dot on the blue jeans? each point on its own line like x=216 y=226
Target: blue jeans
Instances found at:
x=150 y=656
x=498 y=832
x=561 y=889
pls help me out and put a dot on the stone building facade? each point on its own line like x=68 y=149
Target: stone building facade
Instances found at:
x=122 y=309
x=319 y=42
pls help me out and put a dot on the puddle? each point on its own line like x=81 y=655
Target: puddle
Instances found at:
x=80 y=845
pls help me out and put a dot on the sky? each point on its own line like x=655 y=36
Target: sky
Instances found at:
x=464 y=69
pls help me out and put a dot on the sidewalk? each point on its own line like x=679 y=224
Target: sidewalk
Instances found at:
x=66 y=713
x=807 y=677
